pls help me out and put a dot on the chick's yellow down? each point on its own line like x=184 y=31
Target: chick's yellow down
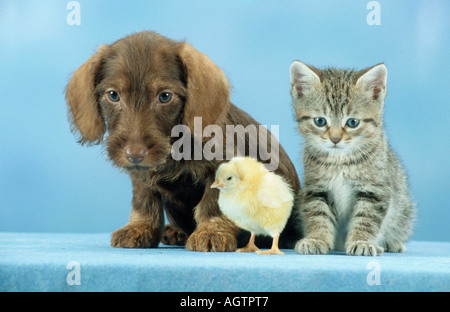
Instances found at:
x=256 y=199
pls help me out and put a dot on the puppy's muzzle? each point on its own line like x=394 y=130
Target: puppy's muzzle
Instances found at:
x=135 y=154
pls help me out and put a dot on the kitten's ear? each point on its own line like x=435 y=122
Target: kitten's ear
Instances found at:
x=303 y=79
x=373 y=81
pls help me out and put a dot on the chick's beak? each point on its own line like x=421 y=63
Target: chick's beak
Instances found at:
x=216 y=184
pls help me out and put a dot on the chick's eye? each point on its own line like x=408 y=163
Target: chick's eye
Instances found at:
x=164 y=97
x=229 y=178
x=113 y=96
x=352 y=122
x=320 y=121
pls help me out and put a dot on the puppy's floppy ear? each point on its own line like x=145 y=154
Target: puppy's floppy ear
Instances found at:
x=83 y=107
x=207 y=88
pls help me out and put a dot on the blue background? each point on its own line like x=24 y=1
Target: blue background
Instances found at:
x=49 y=183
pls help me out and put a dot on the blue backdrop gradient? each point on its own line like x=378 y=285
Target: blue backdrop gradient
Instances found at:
x=49 y=183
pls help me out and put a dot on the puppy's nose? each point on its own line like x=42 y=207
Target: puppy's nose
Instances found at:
x=135 y=154
x=335 y=140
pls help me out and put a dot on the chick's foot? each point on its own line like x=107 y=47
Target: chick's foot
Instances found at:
x=273 y=251
x=251 y=247
x=248 y=249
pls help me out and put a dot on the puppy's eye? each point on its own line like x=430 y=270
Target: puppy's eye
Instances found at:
x=164 y=97
x=113 y=96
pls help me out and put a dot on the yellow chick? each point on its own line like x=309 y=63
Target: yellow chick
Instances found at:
x=256 y=199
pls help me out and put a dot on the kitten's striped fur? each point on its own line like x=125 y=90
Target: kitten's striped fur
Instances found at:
x=355 y=194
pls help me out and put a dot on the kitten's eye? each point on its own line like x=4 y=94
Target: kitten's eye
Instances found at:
x=164 y=97
x=320 y=121
x=113 y=96
x=352 y=122
x=229 y=178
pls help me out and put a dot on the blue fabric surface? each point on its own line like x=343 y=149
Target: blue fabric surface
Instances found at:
x=58 y=262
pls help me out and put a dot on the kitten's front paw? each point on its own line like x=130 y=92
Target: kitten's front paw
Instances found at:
x=395 y=247
x=311 y=246
x=363 y=248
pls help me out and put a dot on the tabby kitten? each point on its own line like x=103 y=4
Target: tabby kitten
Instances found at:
x=355 y=194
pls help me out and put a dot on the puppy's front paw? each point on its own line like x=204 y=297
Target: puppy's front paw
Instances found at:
x=312 y=246
x=204 y=240
x=135 y=235
x=173 y=236
x=363 y=248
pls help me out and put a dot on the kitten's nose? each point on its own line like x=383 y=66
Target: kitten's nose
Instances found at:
x=335 y=140
x=135 y=154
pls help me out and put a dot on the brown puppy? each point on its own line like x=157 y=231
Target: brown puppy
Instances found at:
x=138 y=89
